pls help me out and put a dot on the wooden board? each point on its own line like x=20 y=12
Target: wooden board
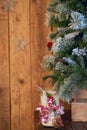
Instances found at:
x=39 y=33
x=20 y=70
x=78 y=126
x=79 y=94
x=67 y=125
x=79 y=111
x=70 y=126
x=4 y=72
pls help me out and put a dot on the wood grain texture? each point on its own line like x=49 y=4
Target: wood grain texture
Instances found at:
x=78 y=126
x=79 y=94
x=68 y=126
x=20 y=71
x=4 y=72
x=79 y=111
x=39 y=33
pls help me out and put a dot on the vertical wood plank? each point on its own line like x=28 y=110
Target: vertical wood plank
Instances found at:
x=39 y=33
x=4 y=72
x=19 y=20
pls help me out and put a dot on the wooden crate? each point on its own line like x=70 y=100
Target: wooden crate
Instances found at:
x=79 y=111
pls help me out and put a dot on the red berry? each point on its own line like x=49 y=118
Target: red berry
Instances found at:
x=49 y=44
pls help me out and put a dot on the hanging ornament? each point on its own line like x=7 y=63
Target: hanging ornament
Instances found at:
x=49 y=45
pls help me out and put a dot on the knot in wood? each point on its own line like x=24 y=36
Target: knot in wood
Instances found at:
x=21 y=81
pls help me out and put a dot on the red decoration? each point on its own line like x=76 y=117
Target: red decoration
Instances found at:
x=49 y=44
x=51 y=29
x=45 y=112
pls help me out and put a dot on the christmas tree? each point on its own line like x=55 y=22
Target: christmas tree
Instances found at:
x=67 y=62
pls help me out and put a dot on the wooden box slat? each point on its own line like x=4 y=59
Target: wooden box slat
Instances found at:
x=79 y=111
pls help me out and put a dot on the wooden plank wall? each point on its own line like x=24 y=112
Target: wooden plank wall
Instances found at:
x=4 y=72
x=23 y=38
x=39 y=33
x=20 y=70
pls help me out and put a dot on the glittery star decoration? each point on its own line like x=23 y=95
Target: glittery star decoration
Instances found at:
x=9 y=5
x=21 y=43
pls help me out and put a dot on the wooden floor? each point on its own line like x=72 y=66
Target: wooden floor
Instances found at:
x=68 y=125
